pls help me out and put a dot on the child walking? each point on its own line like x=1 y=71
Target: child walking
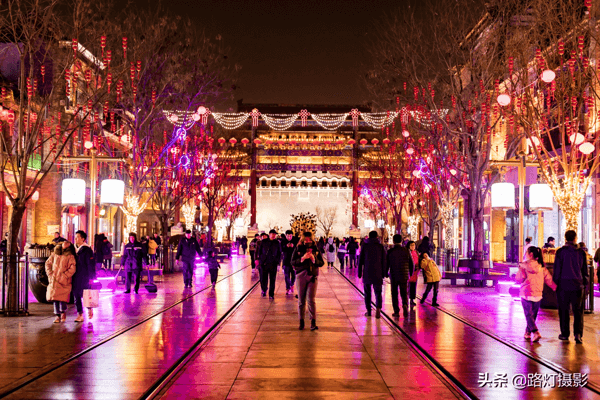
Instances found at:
x=213 y=267
x=432 y=276
x=532 y=275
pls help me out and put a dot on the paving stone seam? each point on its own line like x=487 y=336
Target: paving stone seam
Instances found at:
x=592 y=386
x=30 y=378
x=156 y=390
x=450 y=380
x=363 y=345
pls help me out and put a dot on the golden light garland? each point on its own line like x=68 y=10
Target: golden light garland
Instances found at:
x=413 y=224
x=132 y=212
x=189 y=214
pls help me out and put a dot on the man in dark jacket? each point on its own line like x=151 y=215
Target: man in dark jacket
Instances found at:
x=288 y=245
x=57 y=238
x=85 y=272
x=131 y=260
x=269 y=259
x=187 y=251
x=372 y=262
x=252 y=250
x=571 y=278
x=157 y=238
x=352 y=249
x=398 y=260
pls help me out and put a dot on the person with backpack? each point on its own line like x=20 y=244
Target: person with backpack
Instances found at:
x=307 y=259
x=398 y=261
x=331 y=250
x=532 y=275
x=269 y=259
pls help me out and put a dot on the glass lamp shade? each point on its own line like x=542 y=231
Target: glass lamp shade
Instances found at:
x=586 y=148
x=503 y=195
x=112 y=191
x=540 y=197
x=73 y=191
x=548 y=76
x=503 y=99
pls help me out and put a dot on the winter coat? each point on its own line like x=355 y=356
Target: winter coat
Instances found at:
x=288 y=247
x=570 y=268
x=432 y=272
x=330 y=254
x=532 y=279
x=244 y=242
x=373 y=262
x=352 y=247
x=99 y=246
x=86 y=269
x=212 y=263
x=107 y=249
x=413 y=265
x=307 y=265
x=398 y=264
x=188 y=249
x=60 y=267
x=152 y=246
x=157 y=239
x=269 y=254
x=132 y=257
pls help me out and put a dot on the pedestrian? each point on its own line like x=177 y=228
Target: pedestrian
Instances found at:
x=397 y=268
x=550 y=243
x=187 y=250
x=57 y=238
x=331 y=251
x=288 y=245
x=98 y=250
x=213 y=266
x=526 y=248
x=269 y=258
x=244 y=244
x=432 y=276
x=412 y=267
x=107 y=252
x=352 y=250
x=252 y=251
x=157 y=238
x=85 y=272
x=571 y=278
x=307 y=259
x=131 y=261
x=60 y=268
x=425 y=247
x=342 y=253
x=532 y=275
x=144 y=242
x=371 y=268
x=152 y=246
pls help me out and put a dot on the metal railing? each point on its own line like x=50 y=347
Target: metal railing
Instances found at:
x=22 y=284
x=588 y=301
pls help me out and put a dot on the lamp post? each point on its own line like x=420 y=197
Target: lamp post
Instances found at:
x=93 y=159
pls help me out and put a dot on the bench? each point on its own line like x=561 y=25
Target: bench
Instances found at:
x=495 y=277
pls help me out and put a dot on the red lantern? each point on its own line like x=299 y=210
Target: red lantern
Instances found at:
x=245 y=141
x=363 y=142
x=351 y=142
x=233 y=141
x=124 y=47
x=257 y=141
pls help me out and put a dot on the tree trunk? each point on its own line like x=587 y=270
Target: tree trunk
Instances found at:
x=14 y=229
x=209 y=223
x=164 y=223
x=478 y=235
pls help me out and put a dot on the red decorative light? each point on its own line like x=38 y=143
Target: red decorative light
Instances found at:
x=303 y=114
x=124 y=47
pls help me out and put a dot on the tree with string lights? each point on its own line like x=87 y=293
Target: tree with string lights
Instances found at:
x=553 y=98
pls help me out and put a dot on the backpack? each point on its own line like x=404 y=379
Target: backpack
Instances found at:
x=331 y=249
x=252 y=245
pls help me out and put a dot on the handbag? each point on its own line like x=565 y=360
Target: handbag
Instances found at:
x=91 y=298
x=413 y=278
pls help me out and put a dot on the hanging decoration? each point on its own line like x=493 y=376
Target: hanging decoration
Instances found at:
x=303 y=114
x=230 y=120
x=379 y=120
x=280 y=122
x=330 y=121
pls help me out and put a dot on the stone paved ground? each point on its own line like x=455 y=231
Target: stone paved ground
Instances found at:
x=28 y=344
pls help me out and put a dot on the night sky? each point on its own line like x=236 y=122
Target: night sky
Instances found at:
x=294 y=52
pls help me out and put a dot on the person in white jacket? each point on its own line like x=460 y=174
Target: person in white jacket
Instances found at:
x=330 y=252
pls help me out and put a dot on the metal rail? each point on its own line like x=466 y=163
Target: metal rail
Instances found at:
x=54 y=366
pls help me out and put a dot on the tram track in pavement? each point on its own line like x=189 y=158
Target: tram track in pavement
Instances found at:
x=44 y=371
x=591 y=386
